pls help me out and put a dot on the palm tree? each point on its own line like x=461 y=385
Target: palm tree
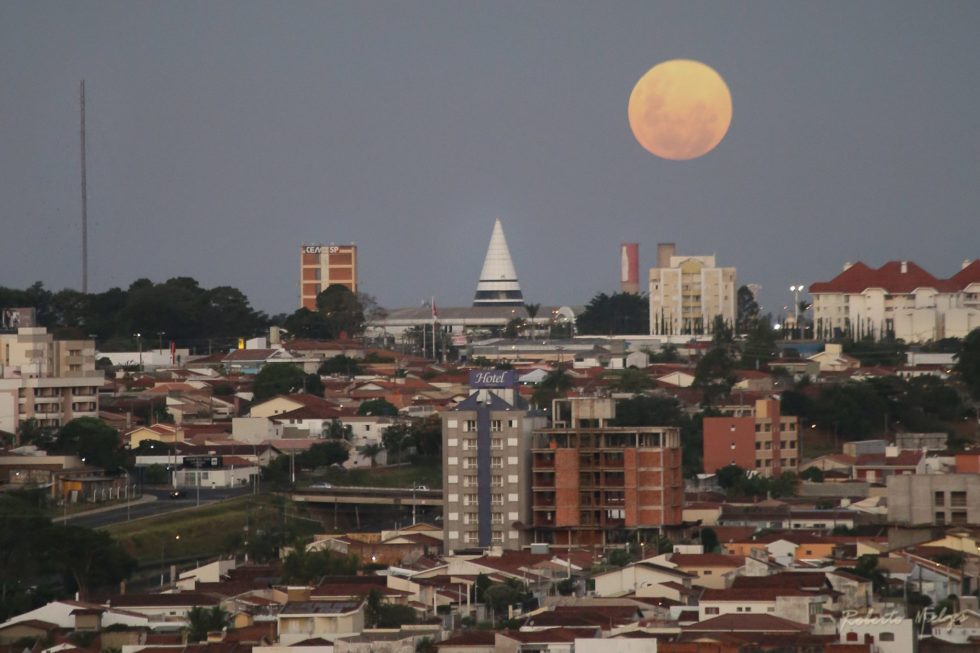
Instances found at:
x=371 y=451
x=201 y=621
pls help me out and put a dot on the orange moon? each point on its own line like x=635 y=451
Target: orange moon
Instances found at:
x=680 y=109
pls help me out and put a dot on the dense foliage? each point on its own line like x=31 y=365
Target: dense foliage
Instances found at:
x=76 y=559
x=616 y=314
x=178 y=309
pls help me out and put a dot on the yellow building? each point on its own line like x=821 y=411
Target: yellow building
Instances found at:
x=688 y=292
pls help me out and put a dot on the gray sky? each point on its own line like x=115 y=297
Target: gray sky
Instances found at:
x=224 y=134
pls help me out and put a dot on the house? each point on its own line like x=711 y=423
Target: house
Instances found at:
x=833 y=359
x=800 y=597
x=647 y=579
x=875 y=468
x=710 y=570
x=887 y=634
x=329 y=620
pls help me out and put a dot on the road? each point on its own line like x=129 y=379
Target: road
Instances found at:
x=162 y=505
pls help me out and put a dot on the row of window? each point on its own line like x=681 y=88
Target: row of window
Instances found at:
x=767 y=445
x=473 y=500
x=496 y=425
x=786 y=462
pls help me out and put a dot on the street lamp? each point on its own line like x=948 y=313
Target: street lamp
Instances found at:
x=139 y=344
x=163 y=549
x=796 y=290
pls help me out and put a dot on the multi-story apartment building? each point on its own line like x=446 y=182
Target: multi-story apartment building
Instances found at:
x=898 y=300
x=594 y=483
x=486 y=464
x=51 y=381
x=754 y=438
x=934 y=499
x=688 y=292
x=323 y=265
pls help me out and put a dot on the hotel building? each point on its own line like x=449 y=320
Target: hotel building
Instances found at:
x=323 y=265
x=486 y=464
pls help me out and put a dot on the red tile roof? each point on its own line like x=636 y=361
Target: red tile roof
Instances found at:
x=969 y=274
x=889 y=277
x=706 y=560
x=753 y=623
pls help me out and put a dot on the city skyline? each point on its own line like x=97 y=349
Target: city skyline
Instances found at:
x=223 y=135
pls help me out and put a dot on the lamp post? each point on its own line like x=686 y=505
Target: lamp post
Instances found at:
x=139 y=344
x=163 y=549
x=128 y=501
x=796 y=290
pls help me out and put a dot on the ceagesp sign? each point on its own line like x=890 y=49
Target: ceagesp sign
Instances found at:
x=316 y=249
x=493 y=378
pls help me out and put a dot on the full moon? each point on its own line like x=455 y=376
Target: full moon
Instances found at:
x=680 y=109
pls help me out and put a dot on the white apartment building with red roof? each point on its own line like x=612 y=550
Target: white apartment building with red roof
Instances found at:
x=898 y=299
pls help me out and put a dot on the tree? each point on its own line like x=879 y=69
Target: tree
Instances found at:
x=371 y=451
x=709 y=539
x=201 y=621
x=555 y=384
x=812 y=474
x=337 y=430
x=305 y=323
x=342 y=310
x=302 y=566
x=323 y=454
x=760 y=346
x=620 y=557
x=340 y=364
x=500 y=596
x=656 y=410
x=617 y=314
x=968 y=363
x=395 y=439
x=714 y=374
x=630 y=380
x=426 y=435
x=92 y=560
x=426 y=645
x=747 y=309
x=97 y=443
x=155 y=475
x=277 y=379
x=377 y=407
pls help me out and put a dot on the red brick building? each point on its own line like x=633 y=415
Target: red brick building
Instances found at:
x=593 y=483
x=760 y=439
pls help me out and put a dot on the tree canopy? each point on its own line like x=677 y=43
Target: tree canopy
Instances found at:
x=616 y=314
x=277 y=379
x=178 y=309
x=968 y=363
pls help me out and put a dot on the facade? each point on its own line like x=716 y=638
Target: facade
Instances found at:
x=629 y=268
x=486 y=464
x=934 y=499
x=323 y=265
x=688 y=292
x=759 y=439
x=898 y=300
x=593 y=482
x=51 y=381
x=498 y=285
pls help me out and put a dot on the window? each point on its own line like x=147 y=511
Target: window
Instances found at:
x=495 y=425
x=939 y=498
x=758 y=445
x=886 y=637
x=497 y=444
x=469 y=425
x=497 y=537
x=497 y=518
x=957 y=499
x=711 y=610
x=496 y=499
x=496 y=481
x=707 y=572
x=512 y=423
x=497 y=462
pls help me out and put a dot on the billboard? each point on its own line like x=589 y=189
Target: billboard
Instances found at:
x=493 y=379
x=12 y=319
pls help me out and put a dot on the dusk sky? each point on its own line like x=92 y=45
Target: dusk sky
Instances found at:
x=222 y=135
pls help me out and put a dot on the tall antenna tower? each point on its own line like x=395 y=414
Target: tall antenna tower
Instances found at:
x=84 y=197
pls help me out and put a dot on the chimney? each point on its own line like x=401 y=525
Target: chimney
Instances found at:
x=905 y=267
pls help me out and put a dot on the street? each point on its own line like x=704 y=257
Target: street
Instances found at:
x=162 y=505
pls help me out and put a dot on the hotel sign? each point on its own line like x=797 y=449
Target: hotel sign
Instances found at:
x=493 y=379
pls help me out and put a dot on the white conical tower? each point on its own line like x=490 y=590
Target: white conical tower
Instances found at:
x=498 y=284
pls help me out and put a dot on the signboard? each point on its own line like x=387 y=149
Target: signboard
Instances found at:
x=202 y=462
x=459 y=340
x=12 y=319
x=493 y=379
x=317 y=249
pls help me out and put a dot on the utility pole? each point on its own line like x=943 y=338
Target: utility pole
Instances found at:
x=84 y=195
